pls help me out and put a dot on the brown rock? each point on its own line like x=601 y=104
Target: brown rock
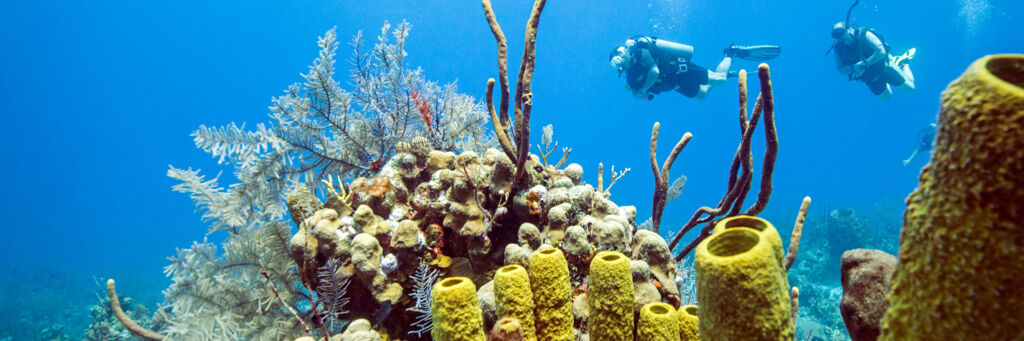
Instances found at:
x=866 y=274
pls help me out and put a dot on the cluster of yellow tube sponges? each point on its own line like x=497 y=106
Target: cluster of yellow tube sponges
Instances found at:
x=739 y=265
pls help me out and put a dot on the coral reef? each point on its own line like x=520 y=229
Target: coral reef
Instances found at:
x=960 y=270
x=866 y=275
x=421 y=217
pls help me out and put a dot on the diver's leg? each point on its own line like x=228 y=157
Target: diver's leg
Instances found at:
x=885 y=95
x=908 y=79
x=721 y=73
x=703 y=92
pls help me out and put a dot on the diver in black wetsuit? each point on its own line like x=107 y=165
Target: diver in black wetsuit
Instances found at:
x=863 y=55
x=925 y=137
x=654 y=66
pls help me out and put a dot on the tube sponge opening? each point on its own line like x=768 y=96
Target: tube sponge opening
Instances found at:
x=733 y=242
x=658 y=322
x=745 y=221
x=765 y=229
x=1010 y=69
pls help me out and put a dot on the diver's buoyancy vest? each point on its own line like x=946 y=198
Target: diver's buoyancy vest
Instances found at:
x=861 y=48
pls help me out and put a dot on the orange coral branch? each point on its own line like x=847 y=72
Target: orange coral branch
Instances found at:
x=798 y=228
x=127 y=322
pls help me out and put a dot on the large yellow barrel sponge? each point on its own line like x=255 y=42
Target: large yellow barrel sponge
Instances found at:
x=611 y=297
x=961 y=269
x=768 y=231
x=688 y=323
x=658 y=322
x=514 y=297
x=457 y=314
x=552 y=301
x=738 y=270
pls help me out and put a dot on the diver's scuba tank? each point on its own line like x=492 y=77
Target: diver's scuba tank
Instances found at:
x=667 y=48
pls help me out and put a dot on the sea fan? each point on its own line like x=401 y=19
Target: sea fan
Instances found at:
x=331 y=291
x=424 y=278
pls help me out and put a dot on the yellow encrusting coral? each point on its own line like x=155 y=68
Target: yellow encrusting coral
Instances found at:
x=552 y=300
x=611 y=297
x=688 y=330
x=658 y=322
x=739 y=268
x=959 y=272
x=514 y=297
x=457 y=315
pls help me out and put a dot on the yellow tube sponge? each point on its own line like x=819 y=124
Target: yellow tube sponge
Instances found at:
x=457 y=315
x=552 y=301
x=514 y=297
x=738 y=269
x=611 y=297
x=658 y=322
x=688 y=323
x=960 y=267
x=768 y=231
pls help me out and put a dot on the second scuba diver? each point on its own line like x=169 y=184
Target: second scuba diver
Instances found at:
x=926 y=137
x=653 y=66
x=863 y=55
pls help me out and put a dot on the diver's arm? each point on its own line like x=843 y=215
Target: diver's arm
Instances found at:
x=844 y=69
x=879 y=50
x=912 y=155
x=651 y=77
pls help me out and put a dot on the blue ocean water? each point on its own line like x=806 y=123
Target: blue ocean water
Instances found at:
x=99 y=98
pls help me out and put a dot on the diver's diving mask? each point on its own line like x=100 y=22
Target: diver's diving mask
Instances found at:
x=619 y=59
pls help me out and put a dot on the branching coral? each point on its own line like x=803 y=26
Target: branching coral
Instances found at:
x=740 y=173
x=515 y=143
x=661 y=177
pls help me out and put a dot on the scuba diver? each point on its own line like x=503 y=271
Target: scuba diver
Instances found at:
x=654 y=66
x=926 y=137
x=863 y=55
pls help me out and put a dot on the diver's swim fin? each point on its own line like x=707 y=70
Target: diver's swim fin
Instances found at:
x=905 y=58
x=757 y=53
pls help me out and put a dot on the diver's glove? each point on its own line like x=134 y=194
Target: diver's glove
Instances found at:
x=858 y=68
x=644 y=42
